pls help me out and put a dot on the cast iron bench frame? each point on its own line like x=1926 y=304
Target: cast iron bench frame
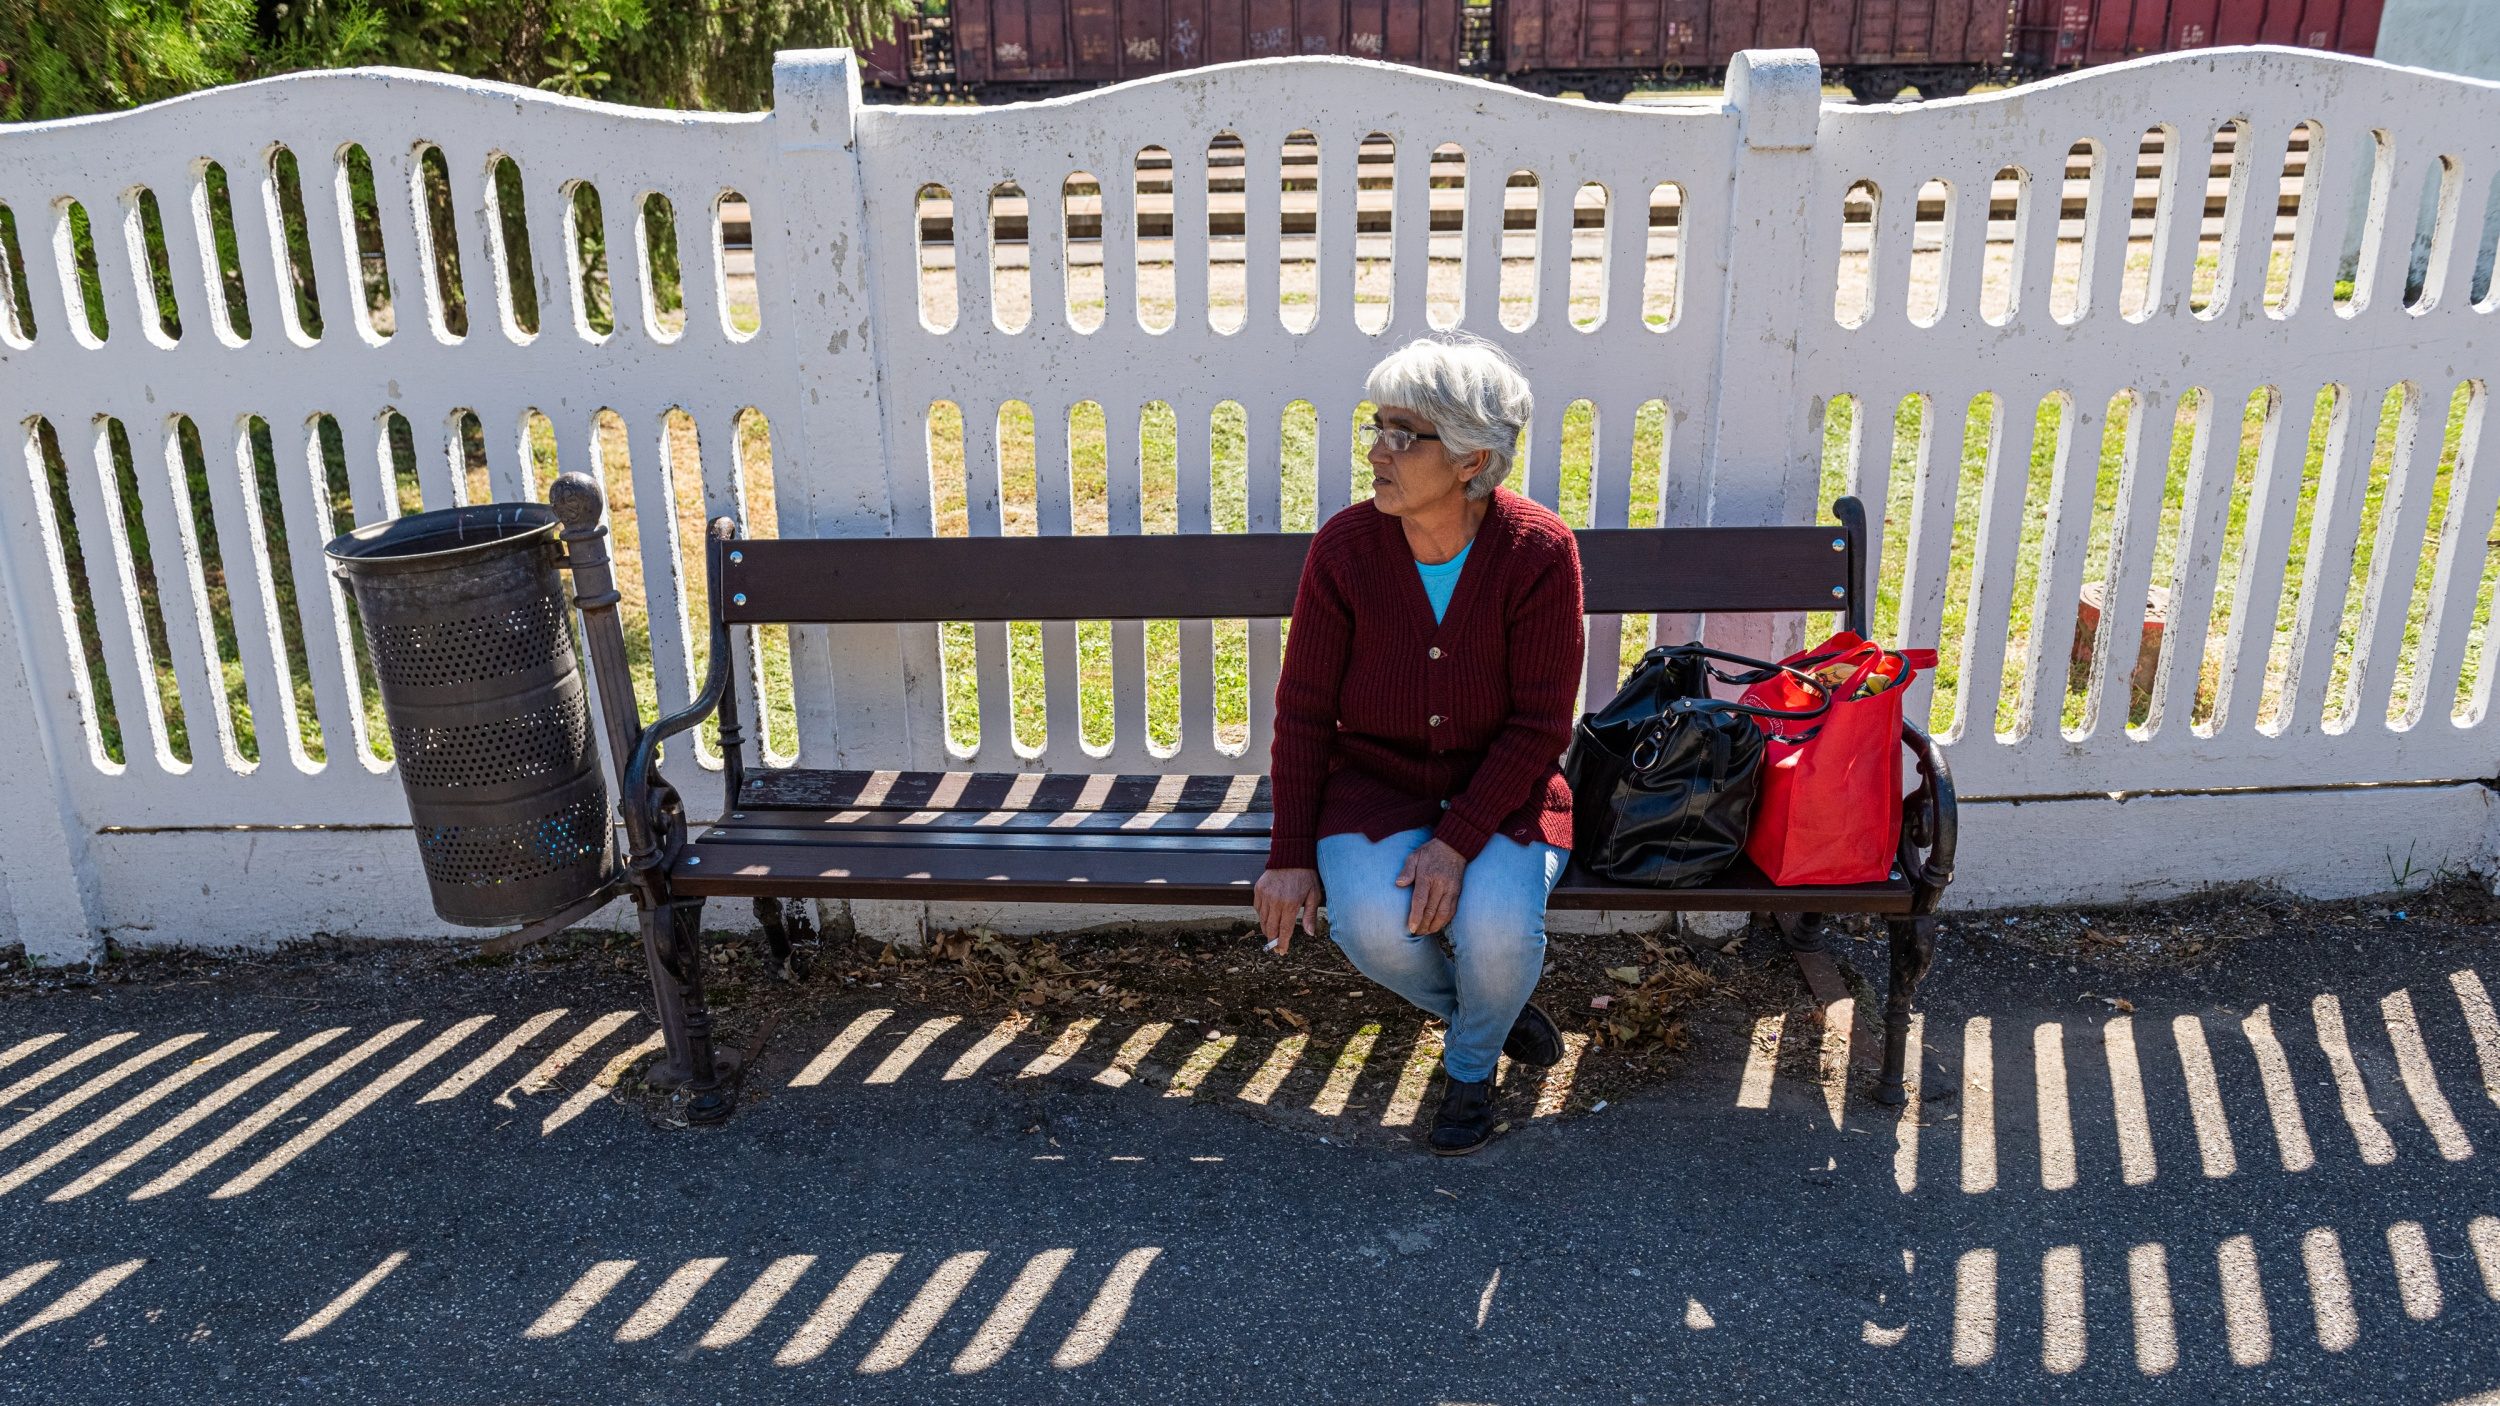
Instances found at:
x=786 y=834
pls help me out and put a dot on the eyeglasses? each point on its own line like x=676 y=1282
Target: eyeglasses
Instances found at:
x=1398 y=440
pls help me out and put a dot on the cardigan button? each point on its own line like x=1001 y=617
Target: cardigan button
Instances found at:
x=1436 y=720
x=1433 y=653
x=1445 y=805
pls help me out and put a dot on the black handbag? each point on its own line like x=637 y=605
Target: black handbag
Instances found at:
x=1663 y=778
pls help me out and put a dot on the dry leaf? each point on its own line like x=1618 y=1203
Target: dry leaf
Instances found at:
x=1629 y=976
x=1730 y=949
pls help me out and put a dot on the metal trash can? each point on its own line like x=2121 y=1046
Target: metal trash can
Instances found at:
x=464 y=614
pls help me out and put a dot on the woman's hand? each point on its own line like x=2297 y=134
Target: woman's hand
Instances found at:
x=1434 y=872
x=1282 y=897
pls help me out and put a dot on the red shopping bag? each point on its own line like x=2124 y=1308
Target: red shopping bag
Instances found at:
x=1830 y=807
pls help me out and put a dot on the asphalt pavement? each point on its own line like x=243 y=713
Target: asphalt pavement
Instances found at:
x=2269 y=1178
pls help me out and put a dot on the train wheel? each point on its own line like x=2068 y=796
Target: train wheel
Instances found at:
x=1874 y=87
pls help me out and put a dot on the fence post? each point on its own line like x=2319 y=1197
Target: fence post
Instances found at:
x=831 y=468
x=1764 y=466
x=47 y=884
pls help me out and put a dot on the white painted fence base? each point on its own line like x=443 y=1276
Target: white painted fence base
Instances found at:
x=1728 y=274
x=211 y=890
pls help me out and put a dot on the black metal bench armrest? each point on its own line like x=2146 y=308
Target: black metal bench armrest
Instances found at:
x=1930 y=825
x=642 y=788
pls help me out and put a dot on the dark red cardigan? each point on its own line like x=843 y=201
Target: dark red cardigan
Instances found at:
x=1388 y=722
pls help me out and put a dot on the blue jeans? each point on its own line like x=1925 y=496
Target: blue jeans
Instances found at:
x=1478 y=974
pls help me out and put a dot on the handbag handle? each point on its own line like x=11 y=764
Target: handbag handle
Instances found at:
x=1653 y=737
x=1757 y=671
x=1754 y=670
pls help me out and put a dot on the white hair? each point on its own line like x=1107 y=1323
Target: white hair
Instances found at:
x=1474 y=395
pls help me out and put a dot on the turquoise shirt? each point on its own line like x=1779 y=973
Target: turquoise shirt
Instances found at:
x=1440 y=581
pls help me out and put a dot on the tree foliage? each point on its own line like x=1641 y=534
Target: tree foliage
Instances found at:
x=61 y=58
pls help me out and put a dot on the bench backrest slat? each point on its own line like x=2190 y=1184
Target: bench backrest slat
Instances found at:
x=1225 y=576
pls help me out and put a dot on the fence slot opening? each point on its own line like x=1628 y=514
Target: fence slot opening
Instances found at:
x=264 y=521
x=2083 y=188
x=586 y=243
x=2443 y=552
x=2356 y=264
x=1854 y=291
x=76 y=597
x=466 y=447
x=2001 y=259
x=777 y=713
x=82 y=282
x=1227 y=232
x=438 y=245
x=196 y=519
x=301 y=307
x=933 y=235
x=126 y=516
x=145 y=226
x=213 y=218
x=736 y=289
x=1445 y=287
x=1519 y=243
x=2378 y=557
x=1011 y=257
x=377 y=313
x=1371 y=226
x=2250 y=426
x=1662 y=255
x=1158 y=299
x=2286 y=262
x=1298 y=220
x=2149 y=231
x=1931 y=250
x=2434 y=236
x=508 y=231
x=1590 y=247
x=17 y=309
x=2218 y=199
x=663 y=275
x=1082 y=243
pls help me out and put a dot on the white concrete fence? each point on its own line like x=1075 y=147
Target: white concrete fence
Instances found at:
x=1808 y=279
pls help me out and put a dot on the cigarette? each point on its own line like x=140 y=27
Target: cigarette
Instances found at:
x=1271 y=944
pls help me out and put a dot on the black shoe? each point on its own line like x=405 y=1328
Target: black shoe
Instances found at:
x=1465 y=1120
x=1533 y=1040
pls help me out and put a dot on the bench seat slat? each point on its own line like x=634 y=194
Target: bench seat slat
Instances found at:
x=851 y=821
x=1079 y=837
x=1132 y=866
x=1043 y=792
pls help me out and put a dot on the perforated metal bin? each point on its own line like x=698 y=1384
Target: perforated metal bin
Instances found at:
x=464 y=615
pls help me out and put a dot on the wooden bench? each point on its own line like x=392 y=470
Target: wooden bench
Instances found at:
x=1132 y=839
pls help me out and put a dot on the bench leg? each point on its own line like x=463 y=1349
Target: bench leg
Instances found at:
x=770 y=915
x=672 y=945
x=1913 y=943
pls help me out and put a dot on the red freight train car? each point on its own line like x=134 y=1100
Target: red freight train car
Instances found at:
x=2062 y=34
x=1012 y=48
x=1601 y=48
x=1008 y=49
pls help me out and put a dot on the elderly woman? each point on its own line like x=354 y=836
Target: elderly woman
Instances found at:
x=1423 y=709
